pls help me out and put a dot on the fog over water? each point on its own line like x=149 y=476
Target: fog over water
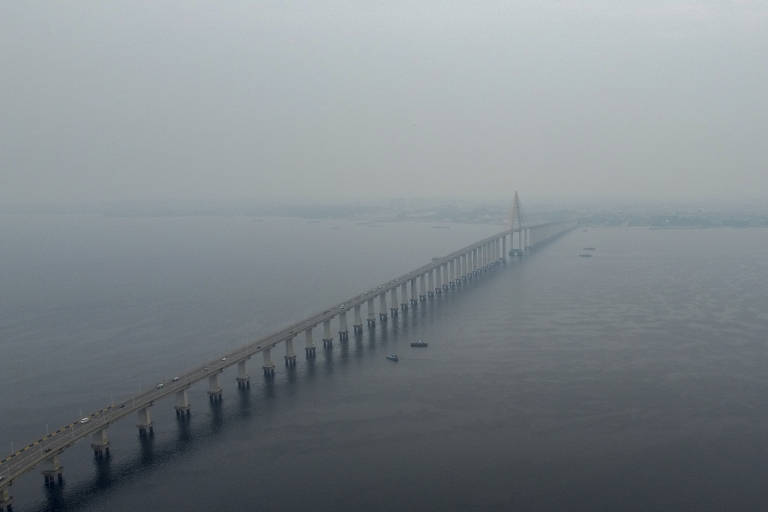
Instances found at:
x=631 y=380
x=180 y=178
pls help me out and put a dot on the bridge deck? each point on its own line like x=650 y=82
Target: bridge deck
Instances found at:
x=25 y=459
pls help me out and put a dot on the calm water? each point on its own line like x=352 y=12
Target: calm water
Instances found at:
x=634 y=380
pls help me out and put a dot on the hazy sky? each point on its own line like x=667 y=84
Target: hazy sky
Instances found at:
x=323 y=99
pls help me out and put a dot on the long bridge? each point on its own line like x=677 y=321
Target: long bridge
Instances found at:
x=445 y=274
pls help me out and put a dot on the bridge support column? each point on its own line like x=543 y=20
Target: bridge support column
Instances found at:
x=439 y=279
x=430 y=284
x=468 y=266
x=214 y=388
x=243 y=380
x=452 y=273
x=309 y=344
x=327 y=339
x=371 y=314
x=6 y=500
x=414 y=293
x=423 y=288
x=290 y=355
x=100 y=444
x=52 y=471
x=145 y=422
x=383 y=307
x=268 y=366
x=393 y=309
x=182 y=404
x=357 y=327
x=404 y=296
x=343 y=331
x=504 y=249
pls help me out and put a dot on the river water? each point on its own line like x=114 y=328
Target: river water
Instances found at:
x=632 y=380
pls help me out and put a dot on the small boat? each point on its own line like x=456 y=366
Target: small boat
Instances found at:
x=393 y=357
x=585 y=255
x=420 y=343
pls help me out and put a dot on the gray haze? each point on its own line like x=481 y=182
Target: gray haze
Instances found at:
x=179 y=99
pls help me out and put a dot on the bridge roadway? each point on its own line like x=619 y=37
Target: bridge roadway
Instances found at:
x=54 y=443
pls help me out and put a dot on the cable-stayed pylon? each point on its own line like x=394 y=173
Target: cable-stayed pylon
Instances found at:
x=516 y=225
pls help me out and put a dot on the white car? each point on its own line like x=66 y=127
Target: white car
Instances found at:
x=223 y=358
x=160 y=386
x=85 y=420
x=175 y=379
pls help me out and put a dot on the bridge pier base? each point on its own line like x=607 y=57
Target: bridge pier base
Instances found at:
x=422 y=298
x=290 y=355
x=344 y=335
x=52 y=472
x=310 y=352
x=404 y=307
x=100 y=444
x=430 y=294
x=327 y=342
x=243 y=380
x=371 y=323
x=268 y=366
x=394 y=312
x=214 y=388
x=182 y=404
x=357 y=328
x=414 y=302
x=6 y=500
x=145 y=423
x=383 y=317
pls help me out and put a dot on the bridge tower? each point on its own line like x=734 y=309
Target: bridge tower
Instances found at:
x=516 y=225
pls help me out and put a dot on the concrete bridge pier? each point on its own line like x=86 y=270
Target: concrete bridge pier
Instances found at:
x=430 y=284
x=414 y=293
x=182 y=403
x=52 y=472
x=290 y=355
x=504 y=249
x=243 y=380
x=214 y=387
x=100 y=444
x=327 y=339
x=383 y=307
x=145 y=423
x=268 y=366
x=393 y=309
x=452 y=273
x=343 y=330
x=6 y=500
x=423 y=288
x=309 y=344
x=357 y=327
x=404 y=296
x=371 y=314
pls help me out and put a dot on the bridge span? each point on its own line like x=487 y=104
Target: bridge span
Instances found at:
x=444 y=274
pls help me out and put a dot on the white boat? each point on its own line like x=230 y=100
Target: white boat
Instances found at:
x=393 y=357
